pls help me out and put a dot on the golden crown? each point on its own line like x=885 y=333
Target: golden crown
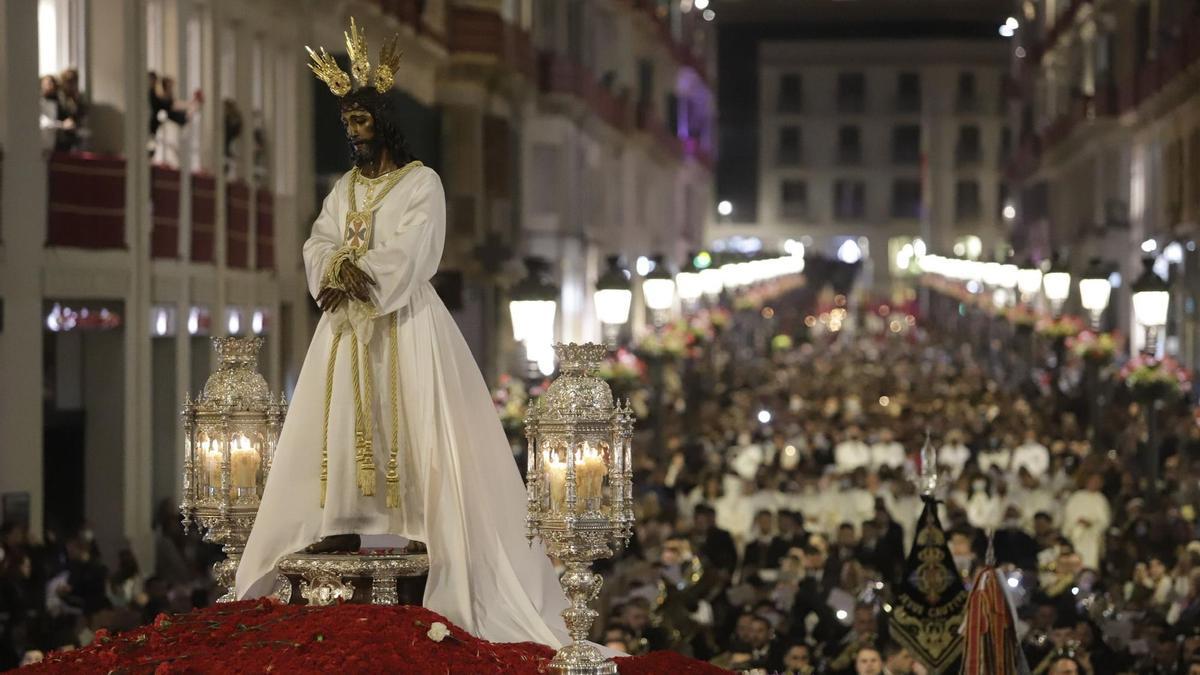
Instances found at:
x=326 y=68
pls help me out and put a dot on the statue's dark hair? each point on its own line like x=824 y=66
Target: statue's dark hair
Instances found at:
x=386 y=124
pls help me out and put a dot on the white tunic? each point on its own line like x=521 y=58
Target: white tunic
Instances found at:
x=461 y=491
x=1086 y=518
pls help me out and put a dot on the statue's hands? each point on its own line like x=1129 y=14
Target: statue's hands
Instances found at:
x=356 y=282
x=329 y=299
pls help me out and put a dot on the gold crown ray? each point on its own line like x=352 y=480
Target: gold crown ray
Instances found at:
x=327 y=70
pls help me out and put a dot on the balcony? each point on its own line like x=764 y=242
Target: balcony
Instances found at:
x=237 y=225
x=560 y=75
x=264 y=205
x=86 y=201
x=164 y=212
x=789 y=157
x=649 y=122
x=478 y=31
x=204 y=217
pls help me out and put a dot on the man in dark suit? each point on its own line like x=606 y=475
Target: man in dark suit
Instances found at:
x=715 y=545
x=791 y=535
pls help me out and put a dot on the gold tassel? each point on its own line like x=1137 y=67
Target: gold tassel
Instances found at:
x=393 y=474
x=393 y=486
x=366 y=472
x=324 y=480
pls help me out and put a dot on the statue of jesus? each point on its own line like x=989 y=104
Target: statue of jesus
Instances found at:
x=391 y=433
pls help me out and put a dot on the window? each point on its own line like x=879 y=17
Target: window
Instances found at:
x=1005 y=144
x=791 y=93
x=908 y=92
x=849 y=199
x=966 y=99
x=1001 y=199
x=906 y=198
x=849 y=145
x=966 y=201
x=790 y=147
x=968 y=151
x=851 y=92
x=793 y=199
x=61 y=35
x=906 y=144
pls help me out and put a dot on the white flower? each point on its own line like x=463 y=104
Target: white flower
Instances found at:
x=438 y=631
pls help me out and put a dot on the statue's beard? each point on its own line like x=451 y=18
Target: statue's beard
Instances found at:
x=366 y=154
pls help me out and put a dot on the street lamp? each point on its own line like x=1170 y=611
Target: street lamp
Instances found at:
x=658 y=289
x=1057 y=284
x=1029 y=280
x=533 y=306
x=613 y=296
x=688 y=283
x=1151 y=297
x=1095 y=290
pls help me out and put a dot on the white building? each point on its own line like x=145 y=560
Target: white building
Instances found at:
x=878 y=141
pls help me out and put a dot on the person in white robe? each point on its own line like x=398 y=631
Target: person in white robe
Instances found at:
x=953 y=455
x=998 y=458
x=1086 y=517
x=887 y=451
x=1031 y=455
x=851 y=452
x=458 y=488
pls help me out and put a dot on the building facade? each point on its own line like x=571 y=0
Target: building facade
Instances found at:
x=878 y=142
x=1107 y=109
x=125 y=246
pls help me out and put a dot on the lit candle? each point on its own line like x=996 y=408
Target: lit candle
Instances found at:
x=556 y=475
x=244 y=463
x=212 y=462
x=590 y=471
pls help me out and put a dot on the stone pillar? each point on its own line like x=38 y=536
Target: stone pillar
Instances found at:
x=139 y=458
x=23 y=221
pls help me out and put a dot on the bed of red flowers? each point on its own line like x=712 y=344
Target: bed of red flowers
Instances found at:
x=260 y=636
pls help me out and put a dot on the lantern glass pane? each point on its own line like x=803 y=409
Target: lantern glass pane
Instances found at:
x=1029 y=280
x=659 y=293
x=612 y=305
x=689 y=285
x=1057 y=285
x=1093 y=294
x=712 y=281
x=1150 y=307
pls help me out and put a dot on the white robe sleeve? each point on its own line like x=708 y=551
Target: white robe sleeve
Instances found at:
x=412 y=248
x=324 y=240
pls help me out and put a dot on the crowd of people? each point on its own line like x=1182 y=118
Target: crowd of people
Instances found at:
x=56 y=590
x=776 y=512
x=774 y=527
x=63 y=120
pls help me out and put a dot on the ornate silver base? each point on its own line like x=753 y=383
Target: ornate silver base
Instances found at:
x=325 y=578
x=581 y=659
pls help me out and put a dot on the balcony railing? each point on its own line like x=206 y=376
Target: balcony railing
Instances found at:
x=908 y=103
x=264 y=205
x=164 y=212
x=967 y=155
x=86 y=201
x=237 y=225
x=204 y=217
x=851 y=104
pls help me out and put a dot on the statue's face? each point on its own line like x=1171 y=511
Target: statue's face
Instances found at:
x=360 y=132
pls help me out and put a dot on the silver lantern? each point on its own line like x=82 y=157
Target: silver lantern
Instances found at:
x=580 y=489
x=230 y=433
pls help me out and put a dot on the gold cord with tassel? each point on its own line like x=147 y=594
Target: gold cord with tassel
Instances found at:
x=393 y=474
x=333 y=349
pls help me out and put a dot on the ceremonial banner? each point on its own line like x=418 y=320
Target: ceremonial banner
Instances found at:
x=928 y=610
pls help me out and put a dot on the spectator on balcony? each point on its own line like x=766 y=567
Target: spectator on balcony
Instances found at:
x=233 y=131
x=48 y=112
x=164 y=107
x=72 y=112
